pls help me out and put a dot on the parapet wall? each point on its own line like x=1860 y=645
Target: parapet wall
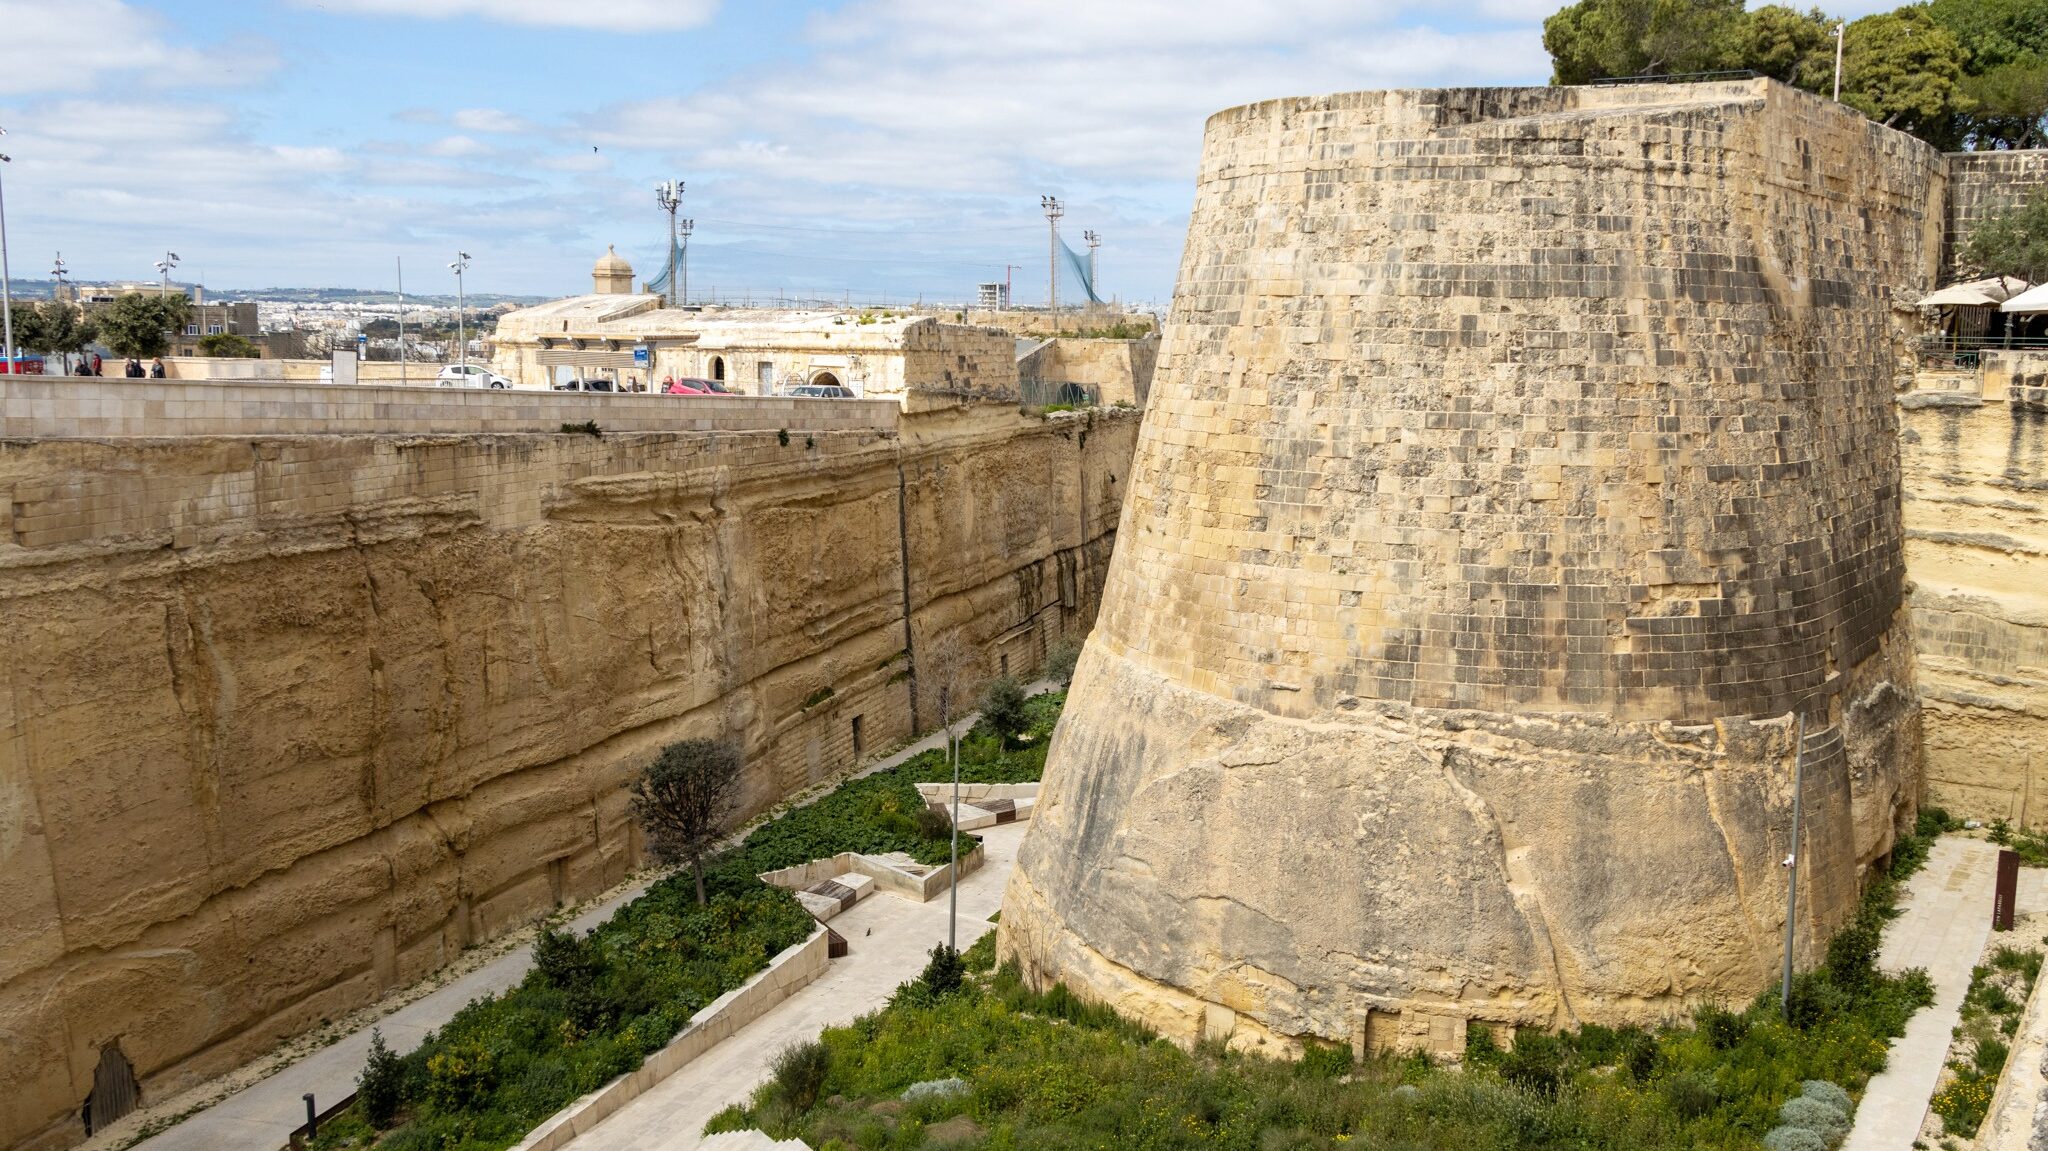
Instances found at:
x=290 y=721
x=1976 y=519
x=1519 y=465
x=1981 y=184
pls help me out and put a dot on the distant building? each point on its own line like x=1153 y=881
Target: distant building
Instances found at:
x=206 y=318
x=615 y=333
x=993 y=296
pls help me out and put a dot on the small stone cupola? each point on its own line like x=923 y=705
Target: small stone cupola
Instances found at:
x=611 y=275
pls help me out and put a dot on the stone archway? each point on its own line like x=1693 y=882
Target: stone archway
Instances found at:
x=826 y=378
x=718 y=368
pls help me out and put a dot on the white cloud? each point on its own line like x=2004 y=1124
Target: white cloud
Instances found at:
x=491 y=120
x=457 y=147
x=89 y=39
x=600 y=15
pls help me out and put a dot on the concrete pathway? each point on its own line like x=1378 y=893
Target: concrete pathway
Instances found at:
x=261 y=1115
x=889 y=941
x=2010 y=1124
x=1947 y=918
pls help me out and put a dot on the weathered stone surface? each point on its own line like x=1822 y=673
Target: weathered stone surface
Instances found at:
x=289 y=722
x=1976 y=519
x=1519 y=463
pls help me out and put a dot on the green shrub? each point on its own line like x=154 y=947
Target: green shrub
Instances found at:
x=1002 y=709
x=943 y=974
x=1691 y=1095
x=981 y=957
x=1794 y=1139
x=799 y=1073
x=564 y=961
x=586 y=428
x=380 y=1087
x=1481 y=1048
x=1324 y=1060
x=1814 y=1115
x=1829 y=1094
x=1722 y=1028
x=932 y=823
x=1536 y=1063
x=1060 y=660
x=1852 y=953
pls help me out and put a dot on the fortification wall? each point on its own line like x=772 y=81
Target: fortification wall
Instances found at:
x=1980 y=184
x=1976 y=518
x=1119 y=370
x=1519 y=464
x=290 y=721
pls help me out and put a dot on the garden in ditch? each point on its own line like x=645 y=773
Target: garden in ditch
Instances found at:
x=977 y=1060
x=593 y=1007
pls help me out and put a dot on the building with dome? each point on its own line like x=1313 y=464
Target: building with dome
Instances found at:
x=629 y=338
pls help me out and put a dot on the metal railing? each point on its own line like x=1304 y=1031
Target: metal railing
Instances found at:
x=1678 y=78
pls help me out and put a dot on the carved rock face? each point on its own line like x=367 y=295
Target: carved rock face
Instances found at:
x=1519 y=462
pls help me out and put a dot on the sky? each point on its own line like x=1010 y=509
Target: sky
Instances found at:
x=884 y=149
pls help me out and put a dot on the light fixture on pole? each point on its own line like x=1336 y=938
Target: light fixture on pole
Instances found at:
x=401 y=320
x=58 y=270
x=458 y=266
x=669 y=194
x=686 y=226
x=1053 y=211
x=1094 y=241
x=6 y=280
x=1839 y=35
x=163 y=270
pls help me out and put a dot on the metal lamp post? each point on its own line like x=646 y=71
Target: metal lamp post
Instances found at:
x=1792 y=865
x=1840 y=34
x=460 y=265
x=686 y=226
x=1094 y=242
x=669 y=194
x=6 y=280
x=1053 y=211
x=57 y=273
x=163 y=271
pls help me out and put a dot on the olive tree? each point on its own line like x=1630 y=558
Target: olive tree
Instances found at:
x=684 y=798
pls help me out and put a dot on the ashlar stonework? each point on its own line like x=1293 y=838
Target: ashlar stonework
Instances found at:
x=1520 y=464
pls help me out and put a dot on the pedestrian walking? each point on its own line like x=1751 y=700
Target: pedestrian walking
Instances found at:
x=95 y=363
x=134 y=369
x=156 y=369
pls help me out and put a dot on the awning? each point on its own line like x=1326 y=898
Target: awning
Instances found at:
x=2031 y=300
x=1976 y=293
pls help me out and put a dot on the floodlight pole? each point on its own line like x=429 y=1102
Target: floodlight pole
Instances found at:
x=1094 y=242
x=57 y=270
x=686 y=226
x=460 y=265
x=1053 y=211
x=163 y=271
x=1792 y=867
x=6 y=277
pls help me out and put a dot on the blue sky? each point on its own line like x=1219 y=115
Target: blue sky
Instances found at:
x=878 y=147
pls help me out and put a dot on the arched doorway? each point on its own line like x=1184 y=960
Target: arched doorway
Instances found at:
x=826 y=378
x=718 y=368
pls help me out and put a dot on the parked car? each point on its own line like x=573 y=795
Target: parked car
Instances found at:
x=691 y=386
x=822 y=392
x=585 y=386
x=470 y=376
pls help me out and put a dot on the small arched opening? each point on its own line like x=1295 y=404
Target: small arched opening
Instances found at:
x=718 y=368
x=826 y=378
x=114 y=1090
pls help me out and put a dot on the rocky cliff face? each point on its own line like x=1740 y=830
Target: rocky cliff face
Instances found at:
x=1518 y=468
x=290 y=722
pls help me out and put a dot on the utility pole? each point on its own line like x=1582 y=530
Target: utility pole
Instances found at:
x=669 y=194
x=1094 y=242
x=1792 y=867
x=401 y=321
x=1007 y=290
x=6 y=278
x=1053 y=211
x=461 y=265
x=163 y=270
x=688 y=225
x=1839 y=37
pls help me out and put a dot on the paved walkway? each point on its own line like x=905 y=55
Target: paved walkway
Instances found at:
x=261 y=1115
x=889 y=940
x=1947 y=918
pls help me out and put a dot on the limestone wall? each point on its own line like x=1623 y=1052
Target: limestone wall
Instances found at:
x=1519 y=462
x=290 y=721
x=1982 y=184
x=1119 y=370
x=1976 y=517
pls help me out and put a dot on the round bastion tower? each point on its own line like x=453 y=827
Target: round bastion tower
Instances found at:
x=1519 y=465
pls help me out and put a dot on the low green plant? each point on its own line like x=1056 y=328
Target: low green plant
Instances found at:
x=1992 y=1006
x=380 y=1086
x=799 y=1072
x=586 y=428
x=1003 y=711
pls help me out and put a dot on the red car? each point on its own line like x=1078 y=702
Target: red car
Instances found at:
x=695 y=387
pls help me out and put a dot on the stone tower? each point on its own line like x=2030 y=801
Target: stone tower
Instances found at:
x=1519 y=463
x=611 y=275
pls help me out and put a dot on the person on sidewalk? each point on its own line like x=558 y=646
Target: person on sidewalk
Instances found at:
x=134 y=369
x=156 y=369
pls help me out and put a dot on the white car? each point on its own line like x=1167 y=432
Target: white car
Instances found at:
x=470 y=376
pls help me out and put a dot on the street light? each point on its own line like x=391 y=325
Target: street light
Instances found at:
x=6 y=280
x=686 y=225
x=1053 y=211
x=163 y=269
x=1839 y=36
x=669 y=194
x=461 y=264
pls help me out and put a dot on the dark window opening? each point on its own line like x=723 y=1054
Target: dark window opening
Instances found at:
x=858 y=747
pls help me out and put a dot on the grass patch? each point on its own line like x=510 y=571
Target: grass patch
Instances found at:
x=1050 y=1071
x=1983 y=1040
x=594 y=1006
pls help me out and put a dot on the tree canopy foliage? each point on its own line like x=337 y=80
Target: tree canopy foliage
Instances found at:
x=2012 y=243
x=1956 y=73
x=228 y=344
x=53 y=326
x=141 y=325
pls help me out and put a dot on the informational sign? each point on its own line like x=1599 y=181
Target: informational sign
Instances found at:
x=344 y=370
x=640 y=356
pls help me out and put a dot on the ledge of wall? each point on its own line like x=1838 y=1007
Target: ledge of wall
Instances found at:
x=99 y=408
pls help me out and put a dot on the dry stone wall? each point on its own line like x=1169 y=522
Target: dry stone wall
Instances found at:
x=1520 y=462
x=1976 y=518
x=291 y=721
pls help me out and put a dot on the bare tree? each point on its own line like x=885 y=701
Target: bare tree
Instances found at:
x=944 y=668
x=683 y=798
